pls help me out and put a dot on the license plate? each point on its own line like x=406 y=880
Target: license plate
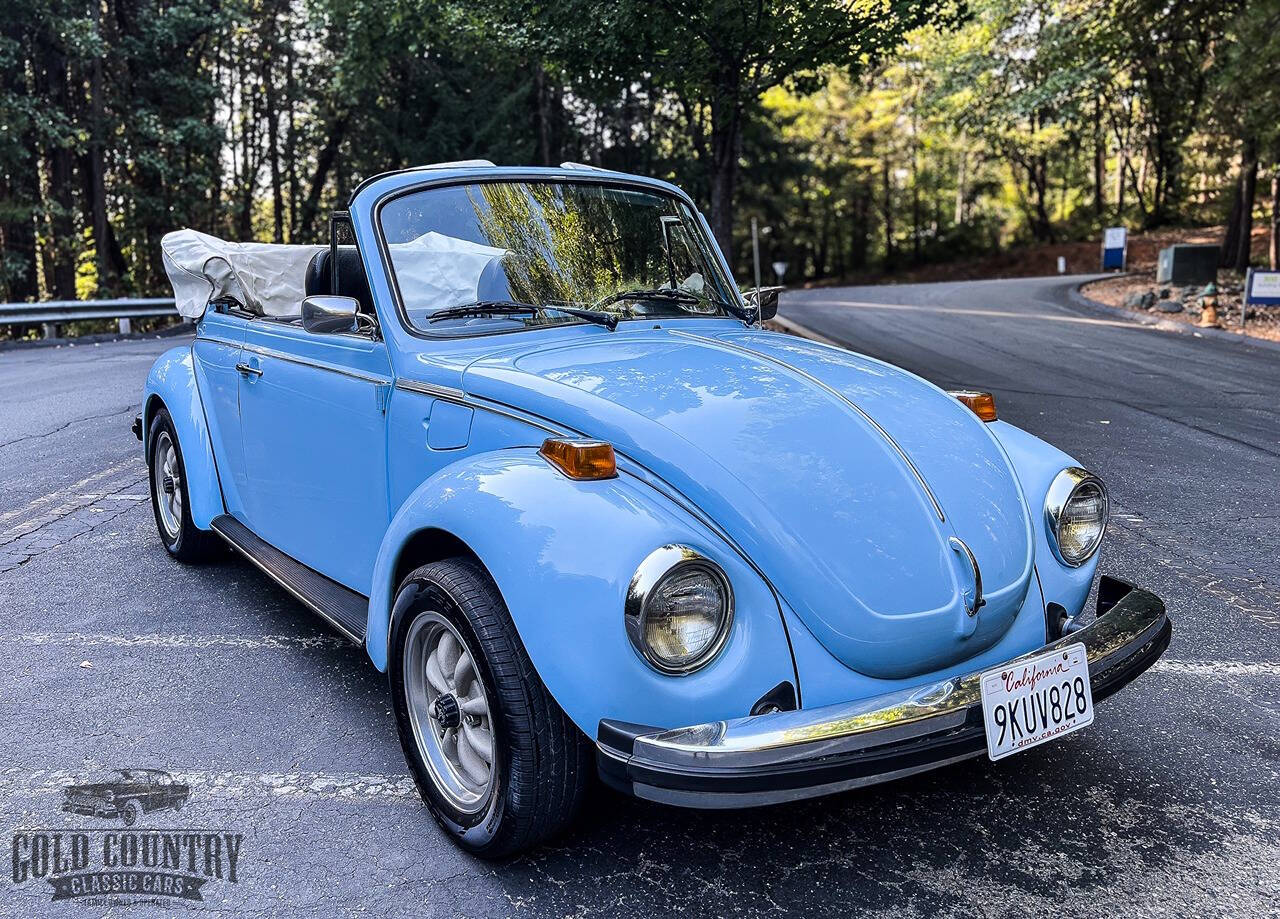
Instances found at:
x=1036 y=700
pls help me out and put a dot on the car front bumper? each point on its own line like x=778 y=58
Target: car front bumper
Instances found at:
x=92 y=808
x=785 y=756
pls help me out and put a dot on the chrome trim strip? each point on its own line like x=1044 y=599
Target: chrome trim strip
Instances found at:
x=430 y=389
x=959 y=545
x=458 y=397
x=218 y=341
x=837 y=395
x=318 y=365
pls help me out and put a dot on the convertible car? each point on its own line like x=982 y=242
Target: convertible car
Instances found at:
x=517 y=432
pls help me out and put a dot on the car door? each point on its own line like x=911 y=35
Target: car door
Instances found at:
x=313 y=425
x=215 y=353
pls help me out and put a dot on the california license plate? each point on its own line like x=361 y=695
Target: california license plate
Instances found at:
x=1036 y=700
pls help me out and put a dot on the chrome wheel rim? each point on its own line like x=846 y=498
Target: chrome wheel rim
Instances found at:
x=167 y=485
x=450 y=713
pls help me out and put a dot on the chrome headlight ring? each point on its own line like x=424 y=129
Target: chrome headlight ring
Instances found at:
x=1068 y=485
x=658 y=568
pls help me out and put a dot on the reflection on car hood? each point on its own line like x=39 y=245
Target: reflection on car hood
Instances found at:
x=845 y=479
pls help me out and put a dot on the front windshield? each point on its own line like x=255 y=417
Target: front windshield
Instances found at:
x=502 y=255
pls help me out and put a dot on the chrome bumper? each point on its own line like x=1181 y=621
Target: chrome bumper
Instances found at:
x=765 y=759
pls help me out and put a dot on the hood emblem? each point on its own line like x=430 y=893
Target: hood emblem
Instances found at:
x=971 y=606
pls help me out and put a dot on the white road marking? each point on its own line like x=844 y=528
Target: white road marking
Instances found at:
x=230 y=642
x=63 y=492
x=1207 y=668
x=237 y=785
x=961 y=311
x=804 y=331
x=1218 y=668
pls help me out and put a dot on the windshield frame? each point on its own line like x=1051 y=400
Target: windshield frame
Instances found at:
x=516 y=176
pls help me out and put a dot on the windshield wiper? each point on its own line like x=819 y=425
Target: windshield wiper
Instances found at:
x=515 y=308
x=676 y=296
x=649 y=293
x=485 y=308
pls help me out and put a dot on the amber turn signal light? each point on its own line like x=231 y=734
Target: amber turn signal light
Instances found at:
x=585 y=460
x=982 y=404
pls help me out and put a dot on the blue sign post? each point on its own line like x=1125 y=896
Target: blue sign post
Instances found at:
x=1115 y=248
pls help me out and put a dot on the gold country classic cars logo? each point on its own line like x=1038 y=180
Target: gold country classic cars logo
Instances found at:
x=123 y=863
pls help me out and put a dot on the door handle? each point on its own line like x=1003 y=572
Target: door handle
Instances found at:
x=248 y=369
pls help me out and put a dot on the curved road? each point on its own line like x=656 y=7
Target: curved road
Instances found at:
x=1168 y=805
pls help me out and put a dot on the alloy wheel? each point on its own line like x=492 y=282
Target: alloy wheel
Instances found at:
x=450 y=712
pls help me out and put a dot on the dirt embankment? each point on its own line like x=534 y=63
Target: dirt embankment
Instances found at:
x=1139 y=293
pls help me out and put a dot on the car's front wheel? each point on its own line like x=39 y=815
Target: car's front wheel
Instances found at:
x=499 y=764
x=131 y=812
x=170 y=497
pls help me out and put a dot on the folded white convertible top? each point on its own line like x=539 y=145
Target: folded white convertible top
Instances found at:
x=264 y=278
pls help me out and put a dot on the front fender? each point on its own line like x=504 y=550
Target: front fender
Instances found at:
x=562 y=554
x=1036 y=463
x=172 y=380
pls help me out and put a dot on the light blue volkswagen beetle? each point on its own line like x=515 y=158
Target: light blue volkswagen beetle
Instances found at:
x=522 y=438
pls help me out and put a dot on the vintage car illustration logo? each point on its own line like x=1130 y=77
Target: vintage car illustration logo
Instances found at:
x=126 y=864
x=126 y=794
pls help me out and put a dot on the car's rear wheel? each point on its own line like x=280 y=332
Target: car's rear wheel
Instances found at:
x=499 y=764
x=170 y=497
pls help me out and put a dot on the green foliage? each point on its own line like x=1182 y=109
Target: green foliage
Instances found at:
x=864 y=135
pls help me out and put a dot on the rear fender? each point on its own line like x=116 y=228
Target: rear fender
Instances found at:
x=172 y=383
x=562 y=554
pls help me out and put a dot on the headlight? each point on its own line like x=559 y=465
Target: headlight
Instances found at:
x=678 y=609
x=1076 y=515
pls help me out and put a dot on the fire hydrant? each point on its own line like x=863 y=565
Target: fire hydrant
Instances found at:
x=1209 y=306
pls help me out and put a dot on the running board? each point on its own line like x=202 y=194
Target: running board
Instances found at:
x=345 y=610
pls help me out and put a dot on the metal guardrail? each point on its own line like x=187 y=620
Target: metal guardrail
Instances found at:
x=52 y=312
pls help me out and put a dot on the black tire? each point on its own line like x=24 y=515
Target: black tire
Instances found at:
x=188 y=543
x=131 y=811
x=541 y=761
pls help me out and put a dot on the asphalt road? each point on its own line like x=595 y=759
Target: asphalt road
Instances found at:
x=1168 y=805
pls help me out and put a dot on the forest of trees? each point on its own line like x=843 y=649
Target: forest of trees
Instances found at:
x=867 y=135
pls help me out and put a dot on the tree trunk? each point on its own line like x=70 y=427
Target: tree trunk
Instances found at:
x=1274 y=254
x=1122 y=160
x=726 y=134
x=273 y=153
x=1231 y=237
x=1248 y=190
x=1099 y=162
x=290 y=139
x=1038 y=173
x=19 y=187
x=19 y=280
x=334 y=131
x=108 y=280
x=961 y=179
x=542 y=103
x=890 y=253
x=60 y=252
x=859 y=237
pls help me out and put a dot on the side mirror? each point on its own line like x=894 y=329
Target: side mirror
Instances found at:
x=765 y=300
x=325 y=314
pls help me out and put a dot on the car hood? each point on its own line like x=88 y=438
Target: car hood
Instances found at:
x=853 y=485
x=92 y=789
